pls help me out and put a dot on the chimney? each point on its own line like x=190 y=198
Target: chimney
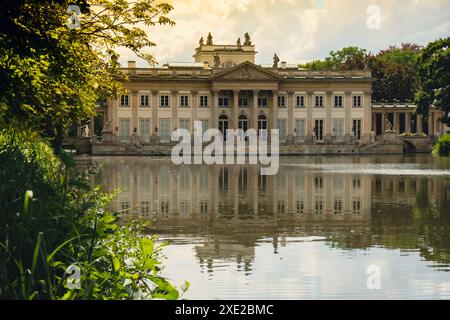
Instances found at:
x=283 y=64
x=131 y=64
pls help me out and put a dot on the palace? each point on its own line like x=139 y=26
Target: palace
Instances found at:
x=224 y=88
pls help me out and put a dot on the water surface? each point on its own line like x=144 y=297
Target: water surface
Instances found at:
x=309 y=232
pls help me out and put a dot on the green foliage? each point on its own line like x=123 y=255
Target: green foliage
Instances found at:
x=434 y=78
x=50 y=219
x=53 y=76
x=442 y=146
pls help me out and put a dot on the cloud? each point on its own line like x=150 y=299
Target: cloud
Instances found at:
x=297 y=30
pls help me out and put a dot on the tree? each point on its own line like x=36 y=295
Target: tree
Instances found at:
x=345 y=59
x=53 y=76
x=434 y=78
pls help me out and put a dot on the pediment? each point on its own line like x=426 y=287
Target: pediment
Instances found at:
x=246 y=72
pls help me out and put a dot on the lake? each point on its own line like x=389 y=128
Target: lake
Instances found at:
x=322 y=228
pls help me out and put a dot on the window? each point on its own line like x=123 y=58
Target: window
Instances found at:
x=300 y=128
x=357 y=101
x=262 y=102
x=204 y=101
x=205 y=124
x=338 y=128
x=165 y=101
x=184 y=101
x=243 y=102
x=282 y=128
x=356 y=129
x=337 y=206
x=124 y=129
x=338 y=101
x=144 y=100
x=281 y=101
x=184 y=124
x=164 y=130
x=319 y=101
x=145 y=208
x=144 y=127
x=300 y=206
x=356 y=206
x=124 y=100
x=224 y=102
x=300 y=102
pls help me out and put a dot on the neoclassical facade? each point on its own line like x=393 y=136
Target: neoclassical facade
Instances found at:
x=225 y=89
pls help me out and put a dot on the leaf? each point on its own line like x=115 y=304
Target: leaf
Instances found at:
x=116 y=263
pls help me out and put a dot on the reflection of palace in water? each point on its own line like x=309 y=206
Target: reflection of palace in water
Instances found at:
x=233 y=207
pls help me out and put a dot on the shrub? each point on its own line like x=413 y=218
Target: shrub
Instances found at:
x=442 y=146
x=51 y=219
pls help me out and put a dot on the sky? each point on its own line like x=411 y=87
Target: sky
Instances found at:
x=297 y=30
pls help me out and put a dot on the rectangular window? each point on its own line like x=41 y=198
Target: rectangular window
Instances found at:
x=262 y=102
x=300 y=102
x=243 y=102
x=281 y=101
x=338 y=128
x=337 y=206
x=338 y=101
x=224 y=102
x=204 y=101
x=144 y=127
x=164 y=101
x=124 y=100
x=124 y=129
x=184 y=124
x=145 y=208
x=205 y=124
x=164 y=130
x=300 y=128
x=319 y=102
x=282 y=128
x=357 y=101
x=356 y=129
x=145 y=101
x=184 y=101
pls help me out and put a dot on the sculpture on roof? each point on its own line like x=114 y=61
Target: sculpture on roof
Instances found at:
x=216 y=60
x=388 y=125
x=201 y=42
x=238 y=43
x=209 y=40
x=247 y=41
x=275 y=61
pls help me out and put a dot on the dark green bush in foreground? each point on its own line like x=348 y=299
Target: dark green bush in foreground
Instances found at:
x=442 y=146
x=62 y=221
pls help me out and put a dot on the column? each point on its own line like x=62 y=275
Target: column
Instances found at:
x=367 y=125
x=408 y=122
x=254 y=111
x=194 y=110
x=234 y=110
x=290 y=119
x=154 y=123
x=309 y=118
x=274 y=114
x=328 y=121
x=430 y=124
x=134 y=116
x=92 y=127
x=348 y=117
x=215 y=109
x=174 y=103
x=397 y=122
x=419 y=124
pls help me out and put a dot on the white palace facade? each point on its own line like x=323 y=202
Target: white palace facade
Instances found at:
x=224 y=88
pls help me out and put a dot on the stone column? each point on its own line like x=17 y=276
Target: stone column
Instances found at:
x=348 y=117
x=92 y=127
x=215 y=109
x=408 y=122
x=154 y=121
x=419 y=124
x=430 y=124
x=290 y=118
x=175 y=104
x=194 y=110
x=328 y=120
x=254 y=111
x=367 y=125
x=134 y=116
x=274 y=114
x=309 y=118
x=235 y=110
x=397 y=123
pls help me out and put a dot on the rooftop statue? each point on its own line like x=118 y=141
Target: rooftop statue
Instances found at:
x=238 y=43
x=275 y=61
x=216 y=61
x=209 y=40
x=247 y=41
x=201 y=42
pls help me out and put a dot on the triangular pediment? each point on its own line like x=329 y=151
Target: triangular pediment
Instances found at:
x=246 y=71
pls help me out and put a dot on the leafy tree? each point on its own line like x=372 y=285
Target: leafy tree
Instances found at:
x=434 y=78
x=344 y=59
x=53 y=76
